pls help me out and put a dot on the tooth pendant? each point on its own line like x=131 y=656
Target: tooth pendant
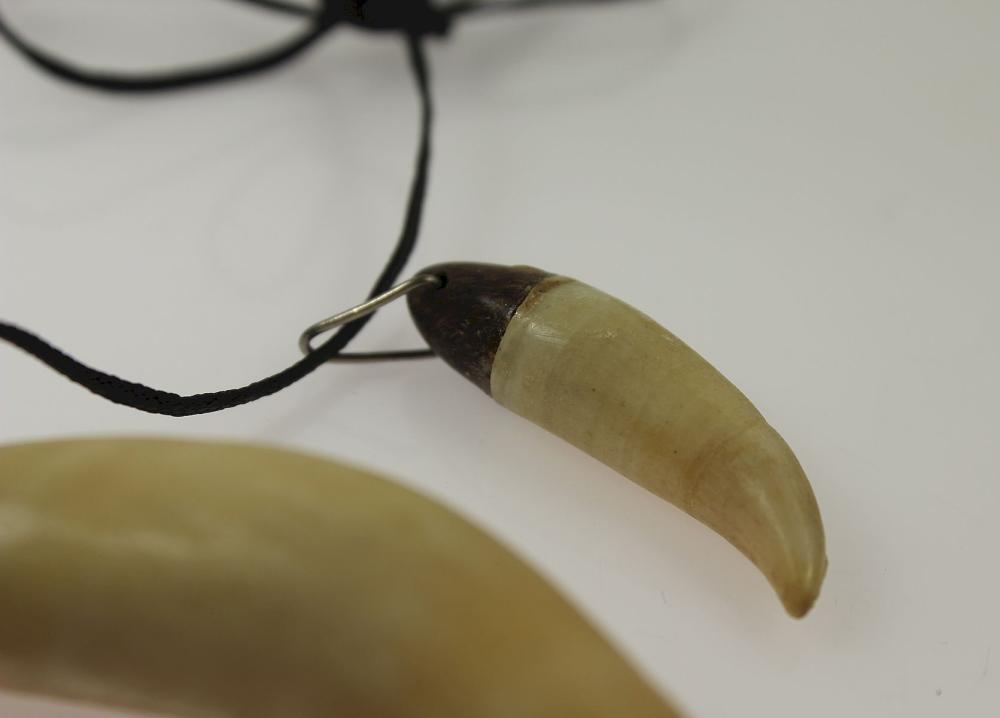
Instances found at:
x=205 y=580
x=611 y=381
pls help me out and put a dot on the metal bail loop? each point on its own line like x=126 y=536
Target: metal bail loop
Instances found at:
x=361 y=310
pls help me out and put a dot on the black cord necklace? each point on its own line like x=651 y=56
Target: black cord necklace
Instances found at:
x=570 y=358
x=414 y=20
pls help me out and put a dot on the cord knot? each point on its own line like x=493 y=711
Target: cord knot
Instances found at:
x=414 y=17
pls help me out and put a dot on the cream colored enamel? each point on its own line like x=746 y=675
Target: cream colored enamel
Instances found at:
x=611 y=381
x=227 y=581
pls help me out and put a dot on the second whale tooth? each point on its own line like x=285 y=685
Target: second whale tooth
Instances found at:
x=210 y=580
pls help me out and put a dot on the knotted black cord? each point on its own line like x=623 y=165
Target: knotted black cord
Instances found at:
x=414 y=19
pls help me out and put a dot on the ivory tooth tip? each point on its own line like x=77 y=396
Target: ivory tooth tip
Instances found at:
x=798 y=583
x=797 y=548
x=799 y=600
x=799 y=579
x=754 y=492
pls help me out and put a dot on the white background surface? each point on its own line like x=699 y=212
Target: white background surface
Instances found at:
x=807 y=192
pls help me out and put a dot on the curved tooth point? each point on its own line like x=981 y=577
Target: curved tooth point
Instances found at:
x=753 y=491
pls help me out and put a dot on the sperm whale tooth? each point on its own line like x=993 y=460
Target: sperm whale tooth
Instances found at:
x=613 y=382
x=211 y=580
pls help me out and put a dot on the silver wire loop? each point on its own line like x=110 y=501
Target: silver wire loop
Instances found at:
x=361 y=310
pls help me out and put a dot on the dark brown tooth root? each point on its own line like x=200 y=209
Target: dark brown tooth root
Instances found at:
x=464 y=320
